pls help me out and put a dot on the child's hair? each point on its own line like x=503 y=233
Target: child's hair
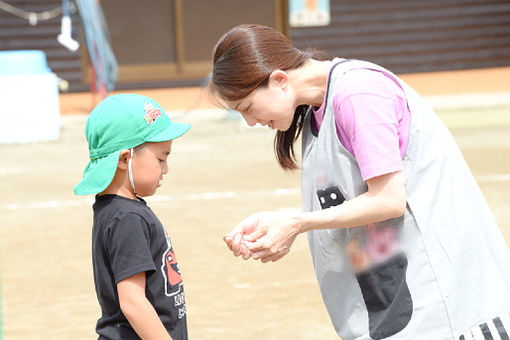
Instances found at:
x=243 y=60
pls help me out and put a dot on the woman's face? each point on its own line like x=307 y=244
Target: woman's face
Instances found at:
x=272 y=105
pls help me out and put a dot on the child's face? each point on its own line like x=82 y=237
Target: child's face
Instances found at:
x=149 y=165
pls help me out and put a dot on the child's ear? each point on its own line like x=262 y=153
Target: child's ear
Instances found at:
x=124 y=159
x=279 y=79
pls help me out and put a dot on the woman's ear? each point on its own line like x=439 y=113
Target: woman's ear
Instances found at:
x=124 y=159
x=279 y=78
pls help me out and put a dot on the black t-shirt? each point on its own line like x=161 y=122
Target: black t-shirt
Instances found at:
x=128 y=238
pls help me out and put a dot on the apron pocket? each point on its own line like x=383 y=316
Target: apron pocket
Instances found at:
x=330 y=197
x=387 y=297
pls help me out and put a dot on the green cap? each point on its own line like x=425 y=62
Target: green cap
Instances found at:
x=121 y=122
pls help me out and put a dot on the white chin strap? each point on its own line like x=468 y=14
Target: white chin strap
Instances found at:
x=130 y=171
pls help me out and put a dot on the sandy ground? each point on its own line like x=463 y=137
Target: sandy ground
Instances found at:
x=220 y=172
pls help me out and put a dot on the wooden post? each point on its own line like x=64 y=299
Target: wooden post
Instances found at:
x=179 y=35
x=282 y=16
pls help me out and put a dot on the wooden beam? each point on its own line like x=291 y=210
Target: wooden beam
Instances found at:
x=179 y=35
x=281 y=10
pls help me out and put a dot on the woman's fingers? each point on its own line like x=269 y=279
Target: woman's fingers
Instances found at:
x=240 y=248
x=257 y=246
x=265 y=236
x=261 y=251
x=228 y=240
x=236 y=238
x=245 y=252
x=256 y=234
x=236 y=244
x=270 y=257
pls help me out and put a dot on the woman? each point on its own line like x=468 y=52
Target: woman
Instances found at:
x=403 y=243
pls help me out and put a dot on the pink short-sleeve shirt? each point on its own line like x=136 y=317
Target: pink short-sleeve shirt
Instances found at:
x=372 y=120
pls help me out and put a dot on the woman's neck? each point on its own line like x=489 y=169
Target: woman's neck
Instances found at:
x=310 y=82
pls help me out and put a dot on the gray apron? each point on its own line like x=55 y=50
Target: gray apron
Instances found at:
x=441 y=271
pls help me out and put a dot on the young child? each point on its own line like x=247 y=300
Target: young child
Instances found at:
x=137 y=278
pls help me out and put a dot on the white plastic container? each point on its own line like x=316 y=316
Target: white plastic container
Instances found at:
x=29 y=105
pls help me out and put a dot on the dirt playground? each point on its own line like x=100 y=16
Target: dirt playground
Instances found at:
x=220 y=172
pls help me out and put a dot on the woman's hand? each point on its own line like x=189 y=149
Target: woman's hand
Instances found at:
x=267 y=236
x=235 y=239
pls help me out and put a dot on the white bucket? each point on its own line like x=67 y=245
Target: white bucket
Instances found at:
x=29 y=106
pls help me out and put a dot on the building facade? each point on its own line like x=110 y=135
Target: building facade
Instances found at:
x=169 y=42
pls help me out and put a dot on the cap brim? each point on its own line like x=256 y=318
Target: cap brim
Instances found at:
x=98 y=175
x=175 y=130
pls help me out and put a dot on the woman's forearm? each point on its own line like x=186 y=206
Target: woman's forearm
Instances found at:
x=268 y=236
x=384 y=200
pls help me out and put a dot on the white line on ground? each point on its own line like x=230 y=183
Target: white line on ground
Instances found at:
x=56 y=204
x=494 y=178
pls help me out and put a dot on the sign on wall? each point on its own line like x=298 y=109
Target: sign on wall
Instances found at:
x=306 y=13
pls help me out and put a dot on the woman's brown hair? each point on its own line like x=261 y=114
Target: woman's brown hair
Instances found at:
x=243 y=60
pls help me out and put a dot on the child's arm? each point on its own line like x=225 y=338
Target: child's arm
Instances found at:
x=138 y=310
